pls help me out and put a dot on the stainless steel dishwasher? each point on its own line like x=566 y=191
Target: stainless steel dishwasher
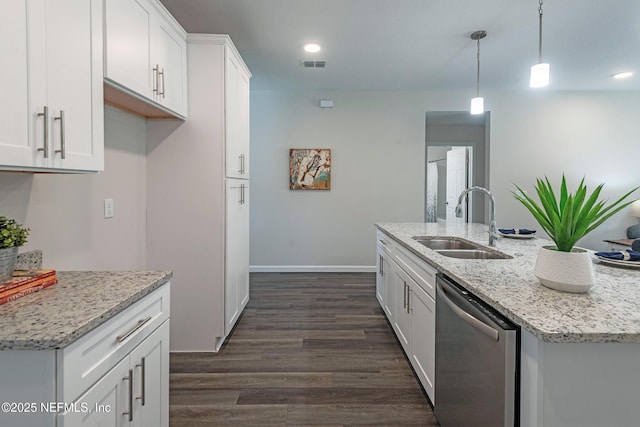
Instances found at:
x=477 y=361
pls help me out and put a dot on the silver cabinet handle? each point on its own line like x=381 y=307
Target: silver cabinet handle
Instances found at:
x=381 y=265
x=142 y=380
x=45 y=146
x=161 y=73
x=409 y=300
x=155 y=79
x=241 y=160
x=404 y=297
x=130 y=411
x=138 y=325
x=62 y=145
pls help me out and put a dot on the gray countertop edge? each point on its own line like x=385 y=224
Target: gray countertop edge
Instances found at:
x=572 y=333
x=84 y=325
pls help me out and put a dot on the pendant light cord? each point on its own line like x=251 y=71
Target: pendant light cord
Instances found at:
x=478 y=74
x=540 y=33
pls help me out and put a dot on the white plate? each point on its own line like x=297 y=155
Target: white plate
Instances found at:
x=618 y=262
x=518 y=236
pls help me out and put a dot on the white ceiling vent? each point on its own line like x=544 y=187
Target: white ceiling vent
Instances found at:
x=313 y=64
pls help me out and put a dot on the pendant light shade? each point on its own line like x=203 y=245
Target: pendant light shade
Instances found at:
x=540 y=71
x=477 y=103
x=539 y=75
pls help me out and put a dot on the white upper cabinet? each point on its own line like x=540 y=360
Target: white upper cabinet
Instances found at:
x=51 y=113
x=145 y=58
x=127 y=30
x=169 y=58
x=15 y=119
x=236 y=115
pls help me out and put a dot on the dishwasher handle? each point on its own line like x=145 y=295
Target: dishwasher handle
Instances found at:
x=471 y=320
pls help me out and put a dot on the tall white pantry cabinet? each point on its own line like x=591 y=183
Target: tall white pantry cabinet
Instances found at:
x=204 y=239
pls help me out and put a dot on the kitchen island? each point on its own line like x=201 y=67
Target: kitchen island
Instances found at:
x=90 y=350
x=580 y=353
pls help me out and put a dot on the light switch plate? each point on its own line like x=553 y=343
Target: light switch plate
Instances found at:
x=108 y=208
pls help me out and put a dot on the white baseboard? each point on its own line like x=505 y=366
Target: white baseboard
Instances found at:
x=312 y=269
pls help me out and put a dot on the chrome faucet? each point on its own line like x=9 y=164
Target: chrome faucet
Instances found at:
x=493 y=234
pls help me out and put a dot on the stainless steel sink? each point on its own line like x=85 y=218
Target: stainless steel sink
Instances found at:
x=472 y=254
x=440 y=242
x=455 y=247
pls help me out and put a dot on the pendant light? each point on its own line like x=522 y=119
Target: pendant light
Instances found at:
x=540 y=71
x=477 y=103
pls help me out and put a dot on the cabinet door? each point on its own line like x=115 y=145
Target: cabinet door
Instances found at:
x=243 y=132
x=243 y=247
x=380 y=294
x=169 y=55
x=150 y=365
x=233 y=252
x=402 y=318
x=422 y=308
x=234 y=157
x=74 y=93
x=389 y=290
x=15 y=116
x=107 y=402
x=127 y=42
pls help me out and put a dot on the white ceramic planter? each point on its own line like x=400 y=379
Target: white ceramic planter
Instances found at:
x=564 y=271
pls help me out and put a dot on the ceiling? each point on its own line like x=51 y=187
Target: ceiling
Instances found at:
x=424 y=44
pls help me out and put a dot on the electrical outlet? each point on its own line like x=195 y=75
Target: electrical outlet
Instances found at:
x=108 y=208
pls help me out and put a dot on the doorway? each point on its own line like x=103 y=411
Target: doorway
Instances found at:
x=457 y=157
x=449 y=172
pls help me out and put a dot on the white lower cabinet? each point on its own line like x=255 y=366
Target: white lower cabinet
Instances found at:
x=406 y=291
x=236 y=293
x=114 y=375
x=402 y=315
x=133 y=393
x=104 y=404
x=423 y=337
x=384 y=283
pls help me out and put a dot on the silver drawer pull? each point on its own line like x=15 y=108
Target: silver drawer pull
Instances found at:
x=45 y=115
x=143 y=381
x=130 y=380
x=62 y=133
x=138 y=325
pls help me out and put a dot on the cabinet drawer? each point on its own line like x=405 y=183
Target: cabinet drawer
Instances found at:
x=86 y=360
x=385 y=243
x=419 y=270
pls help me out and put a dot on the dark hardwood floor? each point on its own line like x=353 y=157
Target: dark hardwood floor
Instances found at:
x=310 y=349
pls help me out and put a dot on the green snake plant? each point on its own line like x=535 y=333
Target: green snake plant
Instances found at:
x=574 y=215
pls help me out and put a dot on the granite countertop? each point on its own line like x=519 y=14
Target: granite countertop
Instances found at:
x=609 y=312
x=82 y=300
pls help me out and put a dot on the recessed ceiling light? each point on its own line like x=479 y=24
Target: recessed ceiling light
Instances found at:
x=623 y=75
x=312 y=47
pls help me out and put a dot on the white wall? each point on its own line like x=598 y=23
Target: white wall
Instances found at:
x=378 y=152
x=592 y=135
x=377 y=140
x=65 y=211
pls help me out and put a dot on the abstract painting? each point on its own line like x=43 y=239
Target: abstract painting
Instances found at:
x=309 y=169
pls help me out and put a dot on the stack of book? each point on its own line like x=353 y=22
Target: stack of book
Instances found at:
x=25 y=282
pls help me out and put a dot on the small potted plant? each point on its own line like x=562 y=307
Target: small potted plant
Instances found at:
x=566 y=220
x=12 y=236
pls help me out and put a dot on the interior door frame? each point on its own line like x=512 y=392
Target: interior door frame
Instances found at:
x=480 y=215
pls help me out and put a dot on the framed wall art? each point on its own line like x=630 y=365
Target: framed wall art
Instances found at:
x=310 y=169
